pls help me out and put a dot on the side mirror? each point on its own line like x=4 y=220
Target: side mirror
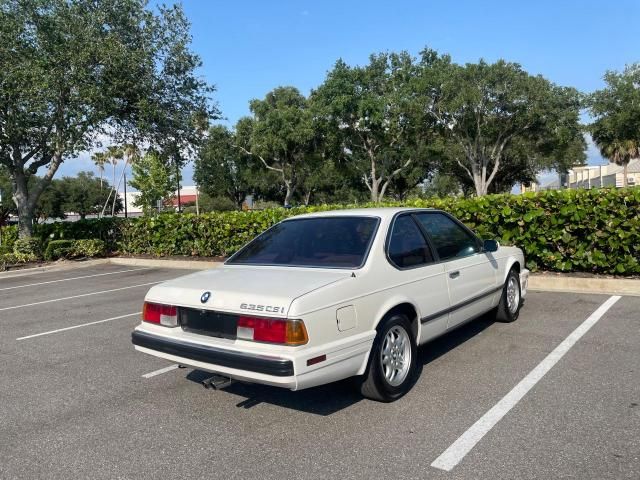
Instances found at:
x=490 y=245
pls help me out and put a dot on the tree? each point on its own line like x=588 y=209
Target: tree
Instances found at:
x=223 y=170
x=84 y=195
x=493 y=114
x=7 y=207
x=113 y=154
x=616 y=109
x=153 y=180
x=51 y=202
x=371 y=118
x=74 y=69
x=99 y=160
x=441 y=185
x=281 y=135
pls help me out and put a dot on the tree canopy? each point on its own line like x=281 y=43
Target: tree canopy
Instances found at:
x=281 y=136
x=72 y=70
x=369 y=113
x=224 y=170
x=616 y=111
x=499 y=120
x=153 y=179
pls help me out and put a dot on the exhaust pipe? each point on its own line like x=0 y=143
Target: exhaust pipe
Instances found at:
x=216 y=382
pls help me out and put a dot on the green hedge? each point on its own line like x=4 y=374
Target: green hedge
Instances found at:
x=74 y=248
x=58 y=249
x=567 y=230
x=9 y=237
x=105 y=229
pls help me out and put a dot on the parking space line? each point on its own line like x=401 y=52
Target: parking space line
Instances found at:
x=78 y=326
x=161 y=371
x=79 y=296
x=73 y=278
x=463 y=445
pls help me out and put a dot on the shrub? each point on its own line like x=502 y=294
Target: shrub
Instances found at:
x=7 y=259
x=74 y=248
x=9 y=234
x=564 y=230
x=89 y=248
x=28 y=246
x=59 y=249
x=105 y=229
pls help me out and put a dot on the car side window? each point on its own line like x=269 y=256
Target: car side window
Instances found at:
x=407 y=245
x=448 y=238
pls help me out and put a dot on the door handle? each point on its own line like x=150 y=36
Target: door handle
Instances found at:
x=454 y=274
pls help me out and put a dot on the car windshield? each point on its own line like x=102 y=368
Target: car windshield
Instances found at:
x=328 y=242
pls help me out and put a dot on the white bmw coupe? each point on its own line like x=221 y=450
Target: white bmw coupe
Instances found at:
x=326 y=296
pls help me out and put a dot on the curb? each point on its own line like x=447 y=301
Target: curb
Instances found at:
x=537 y=282
x=72 y=265
x=152 y=262
x=571 y=284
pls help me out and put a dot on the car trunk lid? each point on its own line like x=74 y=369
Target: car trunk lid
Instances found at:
x=266 y=291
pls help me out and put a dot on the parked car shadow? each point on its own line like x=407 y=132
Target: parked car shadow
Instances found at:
x=323 y=400
x=328 y=399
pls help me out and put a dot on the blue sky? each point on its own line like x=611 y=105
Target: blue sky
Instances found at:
x=250 y=47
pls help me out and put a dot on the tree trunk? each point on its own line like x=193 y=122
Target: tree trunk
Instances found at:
x=625 y=170
x=307 y=198
x=21 y=199
x=289 y=195
x=478 y=183
x=375 y=189
x=25 y=223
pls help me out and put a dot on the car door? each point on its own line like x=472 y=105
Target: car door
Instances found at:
x=471 y=274
x=418 y=275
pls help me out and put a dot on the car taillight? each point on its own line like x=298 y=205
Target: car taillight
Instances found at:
x=272 y=330
x=166 y=315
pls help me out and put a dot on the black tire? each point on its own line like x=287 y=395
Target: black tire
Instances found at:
x=503 y=312
x=374 y=384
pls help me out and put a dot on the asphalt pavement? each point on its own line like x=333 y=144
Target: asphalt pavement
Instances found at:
x=76 y=400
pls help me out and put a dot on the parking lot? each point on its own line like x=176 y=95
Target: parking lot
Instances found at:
x=76 y=400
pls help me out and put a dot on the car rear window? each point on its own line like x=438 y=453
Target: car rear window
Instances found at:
x=327 y=242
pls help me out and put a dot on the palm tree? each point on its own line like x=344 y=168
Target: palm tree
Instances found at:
x=618 y=151
x=131 y=153
x=112 y=155
x=99 y=159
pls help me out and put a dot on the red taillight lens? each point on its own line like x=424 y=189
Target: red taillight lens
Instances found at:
x=166 y=315
x=272 y=330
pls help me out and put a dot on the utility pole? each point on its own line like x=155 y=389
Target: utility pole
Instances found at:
x=178 y=180
x=125 y=196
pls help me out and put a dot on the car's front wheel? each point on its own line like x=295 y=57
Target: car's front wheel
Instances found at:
x=392 y=363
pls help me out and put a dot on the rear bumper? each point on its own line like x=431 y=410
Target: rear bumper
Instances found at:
x=286 y=369
x=276 y=367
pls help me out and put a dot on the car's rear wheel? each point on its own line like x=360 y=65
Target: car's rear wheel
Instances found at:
x=511 y=300
x=392 y=363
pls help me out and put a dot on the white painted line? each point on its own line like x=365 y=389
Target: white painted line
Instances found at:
x=78 y=296
x=463 y=445
x=73 y=278
x=78 y=326
x=161 y=371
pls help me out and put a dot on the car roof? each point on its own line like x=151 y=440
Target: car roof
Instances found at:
x=382 y=212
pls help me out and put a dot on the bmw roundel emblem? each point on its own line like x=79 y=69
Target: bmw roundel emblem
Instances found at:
x=205 y=297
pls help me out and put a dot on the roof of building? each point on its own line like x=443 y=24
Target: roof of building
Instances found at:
x=634 y=166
